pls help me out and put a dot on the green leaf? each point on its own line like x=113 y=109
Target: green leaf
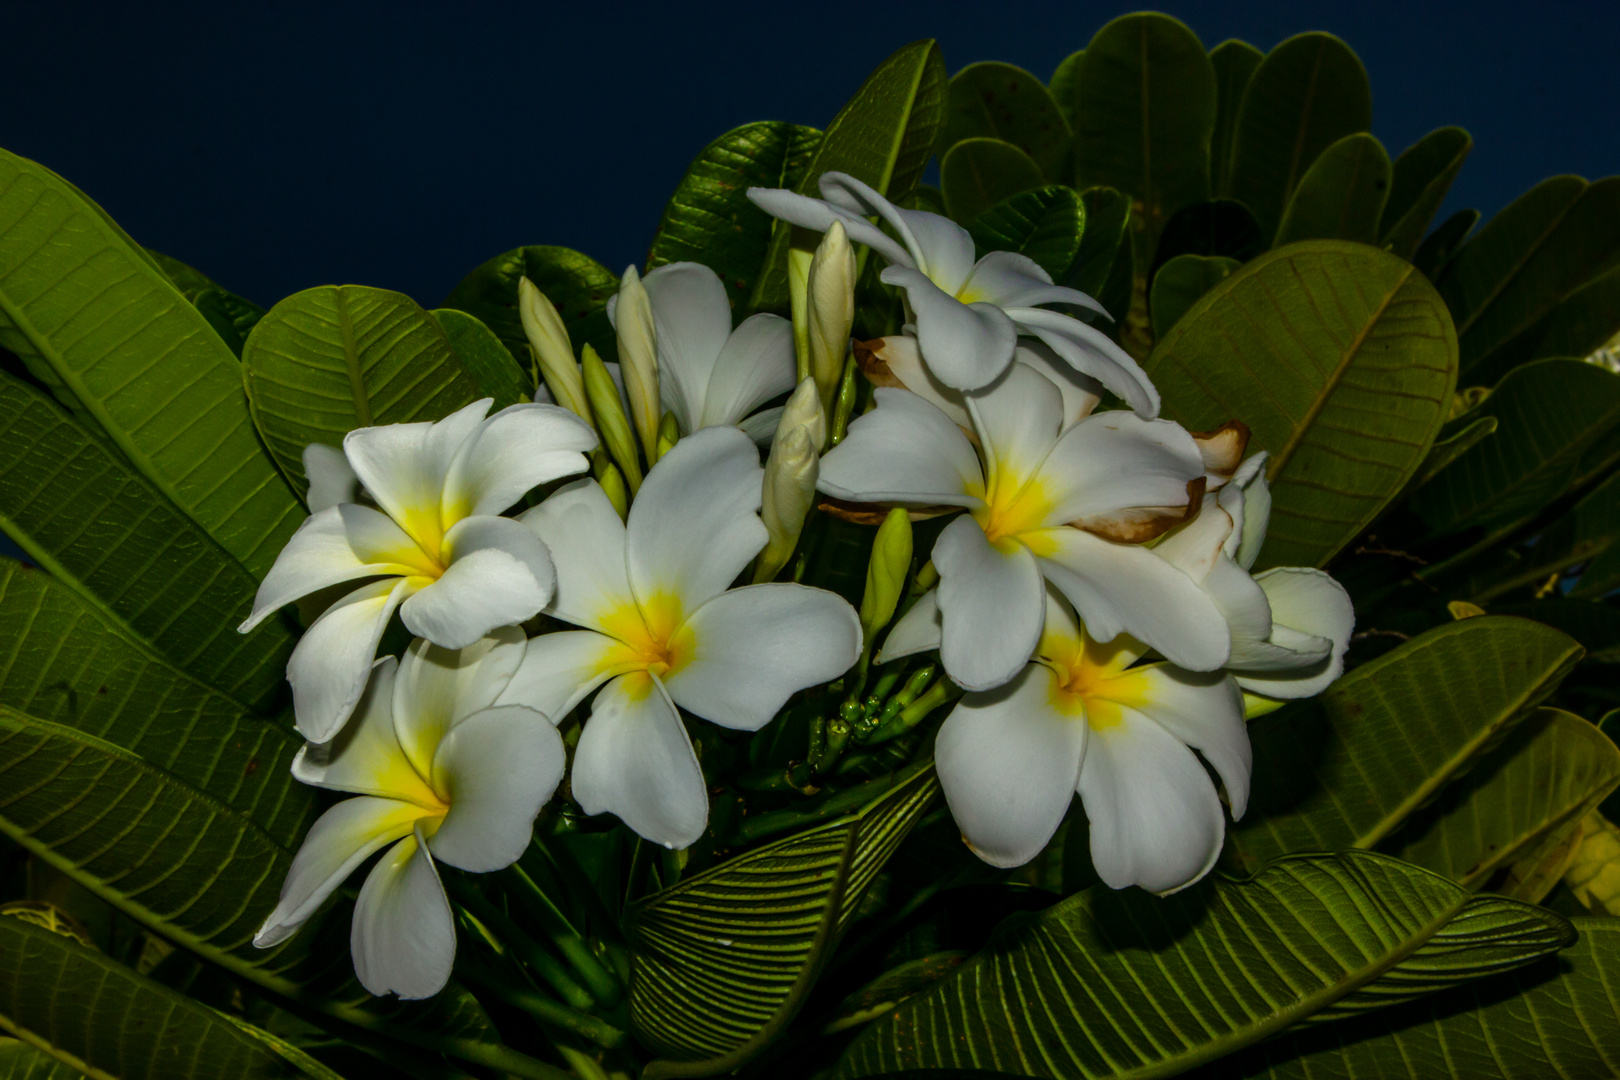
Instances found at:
x=97 y=323
x=19 y=1061
x=338 y=357
x=1144 y=106
x=1003 y=101
x=1594 y=624
x=884 y=136
x=1587 y=531
x=1062 y=85
x=1107 y=213
x=1127 y=984
x=976 y=174
x=1470 y=431
x=83 y=514
x=576 y=284
x=1546 y=775
x=1045 y=224
x=1422 y=175
x=1179 y=284
x=709 y=219
x=1548 y=414
x=1234 y=62
x=725 y=959
x=494 y=371
x=1345 y=769
x=1524 y=261
x=1435 y=253
x=1307 y=94
x=1341 y=360
x=1218 y=227
x=1341 y=195
x=231 y=316
x=1582 y=323
x=1559 y=1018
x=100 y=1017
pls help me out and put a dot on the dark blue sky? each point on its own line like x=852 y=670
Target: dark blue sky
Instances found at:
x=280 y=145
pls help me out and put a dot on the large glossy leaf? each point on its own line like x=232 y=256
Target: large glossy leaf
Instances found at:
x=1526 y=259
x=1144 y=109
x=1560 y=1018
x=1002 y=101
x=1234 y=62
x=724 y=959
x=93 y=1013
x=1346 y=769
x=493 y=370
x=338 y=357
x=1107 y=215
x=81 y=512
x=94 y=320
x=1341 y=195
x=576 y=284
x=1593 y=623
x=883 y=136
x=709 y=219
x=1544 y=777
x=1181 y=282
x=1548 y=415
x=1421 y=177
x=1109 y=984
x=1307 y=94
x=1045 y=224
x=231 y=316
x=1341 y=360
x=978 y=173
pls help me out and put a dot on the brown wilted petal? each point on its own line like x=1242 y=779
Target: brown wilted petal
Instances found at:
x=1139 y=524
x=1222 y=450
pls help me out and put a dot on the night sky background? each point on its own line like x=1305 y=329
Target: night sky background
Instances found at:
x=276 y=146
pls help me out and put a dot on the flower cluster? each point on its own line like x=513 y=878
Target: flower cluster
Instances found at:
x=1093 y=593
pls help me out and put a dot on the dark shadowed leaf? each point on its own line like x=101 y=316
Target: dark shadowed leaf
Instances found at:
x=493 y=370
x=1234 y=62
x=1107 y=213
x=1179 y=284
x=576 y=284
x=1581 y=323
x=1437 y=249
x=231 y=316
x=1003 y=101
x=978 y=173
x=1220 y=227
x=1341 y=195
x=1587 y=531
x=1062 y=85
x=1418 y=185
x=1593 y=623
x=1045 y=224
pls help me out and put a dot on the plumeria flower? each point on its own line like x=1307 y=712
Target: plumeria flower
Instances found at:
x=435 y=548
x=968 y=315
x=441 y=771
x=1089 y=717
x=710 y=375
x=1045 y=501
x=661 y=629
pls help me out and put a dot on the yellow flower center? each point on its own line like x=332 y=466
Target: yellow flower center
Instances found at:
x=652 y=635
x=1011 y=507
x=1094 y=680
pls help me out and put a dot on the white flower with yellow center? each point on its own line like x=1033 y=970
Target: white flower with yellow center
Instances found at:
x=1037 y=503
x=442 y=769
x=1087 y=717
x=661 y=629
x=968 y=315
x=436 y=549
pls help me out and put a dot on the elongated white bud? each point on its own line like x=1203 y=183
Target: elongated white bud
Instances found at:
x=791 y=471
x=617 y=437
x=548 y=337
x=830 y=310
x=638 y=358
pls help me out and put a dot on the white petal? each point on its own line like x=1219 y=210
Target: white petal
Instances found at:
x=499 y=575
x=755 y=365
x=1248 y=499
x=1009 y=764
x=438 y=688
x=1018 y=418
x=695 y=523
x=691 y=320
x=918 y=630
x=1155 y=818
x=1089 y=351
x=1081 y=393
x=1125 y=588
x=634 y=760
x=1113 y=461
x=1248 y=614
x=497 y=769
x=1307 y=602
x=966 y=346
x=992 y=605
x=818 y=215
x=941 y=248
x=1203 y=710
x=905 y=450
x=403 y=938
x=514 y=451
x=366 y=757
x=752 y=648
x=403 y=466
x=331 y=481
x=559 y=670
x=900 y=354
x=339 y=841
x=331 y=664
x=1008 y=279
x=761 y=427
x=585 y=536
x=1195 y=546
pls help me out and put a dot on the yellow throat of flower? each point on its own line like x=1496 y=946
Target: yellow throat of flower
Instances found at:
x=652 y=636
x=1013 y=506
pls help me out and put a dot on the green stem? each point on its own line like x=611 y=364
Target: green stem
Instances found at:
x=832 y=806
x=541 y=1007
x=573 y=946
x=584 y=1066
x=520 y=944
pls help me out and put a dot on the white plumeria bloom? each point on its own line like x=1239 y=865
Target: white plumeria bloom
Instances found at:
x=442 y=770
x=968 y=315
x=436 y=549
x=661 y=629
x=710 y=375
x=1087 y=717
x=1036 y=505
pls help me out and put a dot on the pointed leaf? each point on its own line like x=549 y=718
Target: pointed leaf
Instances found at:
x=1341 y=360
x=1045 y=224
x=1181 y=282
x=1307 y=94
x=1422 y=175
x=1345 y=769
x=1003 y=101
x=1341 y=195
x=577 y=284
x=112 y=338
x=1234 y=62
x=979 y=173
x=493 y=370
x=1128 y=984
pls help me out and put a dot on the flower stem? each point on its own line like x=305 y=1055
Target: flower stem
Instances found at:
x=598 y=980
x=832 y=806
x=541 y=1007
x=524 y=947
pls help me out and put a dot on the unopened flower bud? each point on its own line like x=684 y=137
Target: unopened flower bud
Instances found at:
x=638 y=357
x=799 y=256
x=886 y=572
x=548 y=337
x=669 y=433
x=607 y=474
x=829 y=310
x=791 y=471
x=608 y=409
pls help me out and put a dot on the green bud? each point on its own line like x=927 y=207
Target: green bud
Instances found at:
x=886 y=572
x=669 y=433
x=610 y=419
x=548 y=337
x=799 y=255
x=638 y=357
x=843 y=404
x=607 y=474
x=829 y=310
